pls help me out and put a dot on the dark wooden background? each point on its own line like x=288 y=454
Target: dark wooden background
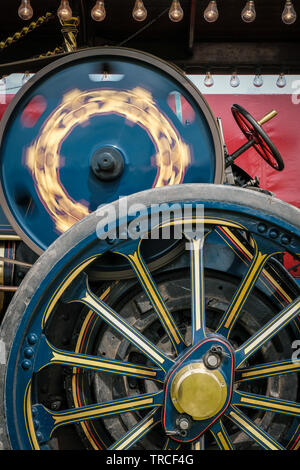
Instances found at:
x=267 y=44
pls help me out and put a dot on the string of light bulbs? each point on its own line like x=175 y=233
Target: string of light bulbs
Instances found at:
x=234 y=81
x=139 y=12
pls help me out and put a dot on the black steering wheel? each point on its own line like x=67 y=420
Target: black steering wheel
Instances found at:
x=257 y=137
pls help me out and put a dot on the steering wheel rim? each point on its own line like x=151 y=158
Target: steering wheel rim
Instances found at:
x=262 y=142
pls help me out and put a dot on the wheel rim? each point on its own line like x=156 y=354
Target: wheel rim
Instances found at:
x=33 y=352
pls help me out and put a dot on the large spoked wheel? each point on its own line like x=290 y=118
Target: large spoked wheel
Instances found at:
x=254 y=133
x=197 y=354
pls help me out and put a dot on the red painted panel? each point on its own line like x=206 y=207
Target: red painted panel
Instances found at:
x=284 y=130
x=3 y=106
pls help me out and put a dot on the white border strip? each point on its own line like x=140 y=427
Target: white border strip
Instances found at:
x=12 y=83
x=222 y=85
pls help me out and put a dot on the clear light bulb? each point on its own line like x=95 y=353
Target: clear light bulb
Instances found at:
x=139 y=11
x=234 y=81
x=281 y=81
x=289 y=14
x=64 y=11
x=25 y=10
x=208 y=81
x=98 y=12
x=211 y=13
x=248 y=12
x=258 y=80
x=175 y=12
x=25 y=78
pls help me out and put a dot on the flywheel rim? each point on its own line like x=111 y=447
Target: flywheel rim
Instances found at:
x=14 y=214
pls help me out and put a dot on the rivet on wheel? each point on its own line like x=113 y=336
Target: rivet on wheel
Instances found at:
x=55 y=405
x=39 y=436
x=36 y=424
x=28 y=352
x=32 y=338
x=261 y=228
x=285 y=239
x=273 y=233
x=26 y=364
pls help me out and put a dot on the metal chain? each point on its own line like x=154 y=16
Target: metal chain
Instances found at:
x=27 y=29
x=57 y=50
x=69 y=31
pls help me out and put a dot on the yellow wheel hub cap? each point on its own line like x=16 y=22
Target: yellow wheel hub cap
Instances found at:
x=198 y=391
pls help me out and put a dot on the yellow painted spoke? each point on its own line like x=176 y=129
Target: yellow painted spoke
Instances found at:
x=123 y=327
x=197 y=289
x=151 y=290
x=244 y=254
x=252 y=430
x=52 y=420
x=267 y=370
x=138 y=431
x=277 y=405
x=233 y=312
x=221 y=436
x=199 y=444
x=267 y=332
x=51 y=355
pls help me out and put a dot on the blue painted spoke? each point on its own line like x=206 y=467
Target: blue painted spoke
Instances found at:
x=133 y=255
x=51 y=420
x=199 y=444
x=244 y=253
x=221 y=436
x=245 y=288
x=260 y=402
x=267 y=370
x=85 y=296
x=48 y=354
x=267 y=332
x=197 y=289
x=252 y=430
x=138 y=431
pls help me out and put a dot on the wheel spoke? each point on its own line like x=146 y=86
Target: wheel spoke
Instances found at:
x=197 y=289
x=276 y=405
x=84 y=295
x=221 y=436
x=252 y=430
x=245 y=288
x=267 y=332
x=199 y=444
x=245 y=255
x=171 y=445
x=138 y=431
x=133 y=255
x=51 y=355
x=267 y=370
x=51 y=420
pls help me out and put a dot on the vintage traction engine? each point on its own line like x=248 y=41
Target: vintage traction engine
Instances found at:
x=135 y=342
